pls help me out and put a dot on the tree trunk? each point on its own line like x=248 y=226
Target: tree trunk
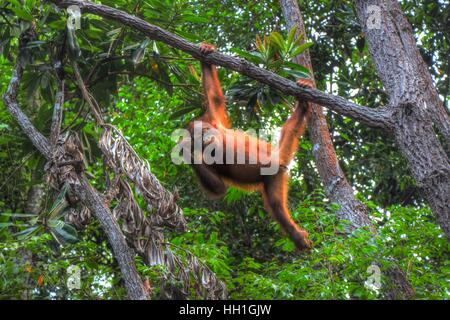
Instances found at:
x=82 y=188
x=334 y=180
x=336 y=185
x=414 y=102
x=35 y=198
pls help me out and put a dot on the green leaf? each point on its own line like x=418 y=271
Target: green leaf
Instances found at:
x=254 y=57
x=194 y=18
x=18 y=215
x=300 y=49
x=187 y=35
x=295 y=73
x=58 y=24
x=11 y=224
x=35 y=44
x=291 y=36
x=295 y=66
x=22 y=235
x=277 y=40
x=299 y=40
x=22 y=14
x=29 y=4
x=345 y=136
x=67 y=233
x=60 y=203
x=139 y=53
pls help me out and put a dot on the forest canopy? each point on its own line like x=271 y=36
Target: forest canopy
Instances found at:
x=92 y=205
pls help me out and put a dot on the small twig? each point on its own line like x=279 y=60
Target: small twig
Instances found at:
x=57 y=115
x=89 y=196
x=24 y=160
x=86 y=95
x=6 y=19
x=80 y=110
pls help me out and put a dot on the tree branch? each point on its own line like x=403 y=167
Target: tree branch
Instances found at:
x=377 y=118
x=333 y=178
x=88 y=195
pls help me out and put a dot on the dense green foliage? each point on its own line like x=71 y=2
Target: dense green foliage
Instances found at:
x=149 y=90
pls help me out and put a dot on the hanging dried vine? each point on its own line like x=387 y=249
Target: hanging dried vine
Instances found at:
x=117 y=150
x=145 y=234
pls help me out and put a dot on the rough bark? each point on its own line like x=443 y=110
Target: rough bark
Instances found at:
x=391 y=49
x=33 y=205
x=376 y=118
x=333 y=178
x=35 y=198
x=398 y=287
x=89 y=196
x=414 y=103
x=124 y=256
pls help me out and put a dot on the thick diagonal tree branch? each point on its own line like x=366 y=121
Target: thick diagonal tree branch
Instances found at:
x=88 y=195
x=377 y=118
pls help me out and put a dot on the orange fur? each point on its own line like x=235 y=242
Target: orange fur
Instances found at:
x=215 y=178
